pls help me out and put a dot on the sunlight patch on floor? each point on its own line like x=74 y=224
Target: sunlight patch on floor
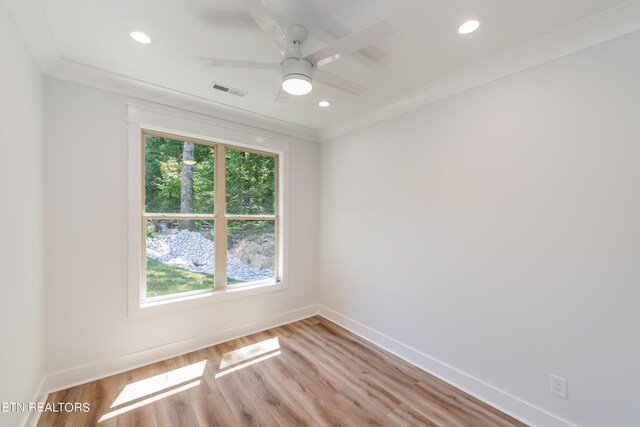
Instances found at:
x=249 y=363
x=235 y=360
x=249 y=352
x=160 y=382
x=147 y=401
x=157 y=387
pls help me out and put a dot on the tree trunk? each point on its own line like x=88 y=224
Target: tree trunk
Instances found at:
x=186 y=190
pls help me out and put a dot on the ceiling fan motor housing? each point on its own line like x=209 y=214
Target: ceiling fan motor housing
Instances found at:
x=297 y=66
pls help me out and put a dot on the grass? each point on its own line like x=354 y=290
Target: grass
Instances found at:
x=163 y=279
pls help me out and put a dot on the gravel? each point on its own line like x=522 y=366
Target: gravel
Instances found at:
x=192 y=251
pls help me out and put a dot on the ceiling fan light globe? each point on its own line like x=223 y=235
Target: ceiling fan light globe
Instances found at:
x=296 y=84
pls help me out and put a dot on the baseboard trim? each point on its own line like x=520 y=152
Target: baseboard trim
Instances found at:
x=111 y=366
x=487 y=393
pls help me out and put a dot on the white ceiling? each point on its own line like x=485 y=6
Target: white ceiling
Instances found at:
x=424 y=49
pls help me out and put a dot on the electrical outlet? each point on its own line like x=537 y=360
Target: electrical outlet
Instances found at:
x=220 y=310
x=559 y=386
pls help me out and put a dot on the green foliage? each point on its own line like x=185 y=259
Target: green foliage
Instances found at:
x=169 y=182
x=250 y=179
x=163 y=175
x=159 y=152
x=203 y=182
x=250 y=183
x=151 y=229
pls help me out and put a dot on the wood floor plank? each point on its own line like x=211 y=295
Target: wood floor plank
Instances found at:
x=144 y=416
x=306 y=373
x=366 y=403
x=61 y=419
x=405 y=416
x=305 y=362
x=280 y=408
x=346 y=339
x=413 y=398
x=243 y=401
x=350 y=370
x=476 y=409
x=321 y=406
x=101 y=395
x=351 y=375
x=175 y=411
x=213 y=410
x=366 y=357
x=270 y=388
x=353 y=414
x=208 y=384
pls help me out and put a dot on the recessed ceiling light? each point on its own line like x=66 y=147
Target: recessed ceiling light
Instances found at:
x=469 y=26
x=139 y=36
x=324 y=104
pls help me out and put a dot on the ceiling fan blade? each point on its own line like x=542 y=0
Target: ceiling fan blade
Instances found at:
x=282 y=97
x=338 y=82
x=232 y=63
x=351 y=43
x=270 y=26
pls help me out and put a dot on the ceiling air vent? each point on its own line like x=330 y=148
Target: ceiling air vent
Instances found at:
x=227 y=89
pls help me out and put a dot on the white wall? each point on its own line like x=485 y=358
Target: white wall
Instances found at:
x=86 y=238
x=499 y=232
x=496 y=231
x=21 y=269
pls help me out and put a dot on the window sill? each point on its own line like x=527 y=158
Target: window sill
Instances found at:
x=215 y=296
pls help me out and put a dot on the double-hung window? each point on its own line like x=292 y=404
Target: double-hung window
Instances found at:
x=209 y=218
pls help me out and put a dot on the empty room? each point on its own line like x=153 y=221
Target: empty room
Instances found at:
x=320 y=213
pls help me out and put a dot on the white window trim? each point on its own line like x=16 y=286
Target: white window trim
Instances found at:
x=193 y=125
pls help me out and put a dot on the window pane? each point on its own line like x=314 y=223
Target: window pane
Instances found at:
x=178 y=176
x=179 y=256
x=251 y=183
x=251 y=246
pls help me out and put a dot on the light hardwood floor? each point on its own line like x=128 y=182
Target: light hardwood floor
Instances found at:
x=311 y=372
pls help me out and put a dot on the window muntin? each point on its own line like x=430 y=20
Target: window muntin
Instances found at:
x=194 y=176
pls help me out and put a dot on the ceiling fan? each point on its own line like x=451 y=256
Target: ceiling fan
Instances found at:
x=298 y=72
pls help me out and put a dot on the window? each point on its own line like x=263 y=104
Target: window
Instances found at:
x=208 y=210
x=210 y=216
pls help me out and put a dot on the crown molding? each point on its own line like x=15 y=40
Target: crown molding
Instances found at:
x=597 y=29
x=29 y=17
x=605 y=26
x=64 y=69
